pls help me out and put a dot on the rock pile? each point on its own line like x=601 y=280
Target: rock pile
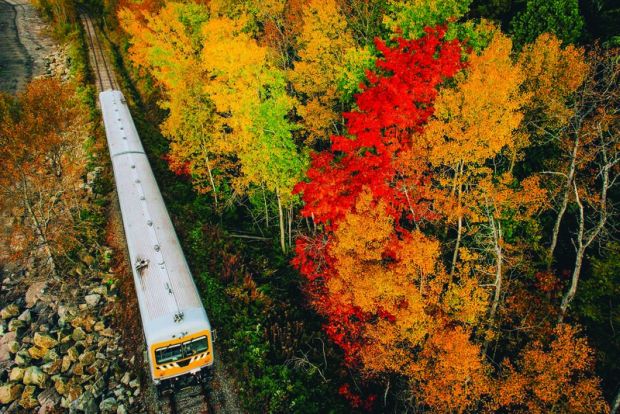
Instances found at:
x=56 y=64
x=59 y=352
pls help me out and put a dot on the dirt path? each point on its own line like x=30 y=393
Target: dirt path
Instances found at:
x=24 y=45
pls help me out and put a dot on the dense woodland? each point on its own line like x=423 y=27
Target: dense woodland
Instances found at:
x=390 y=205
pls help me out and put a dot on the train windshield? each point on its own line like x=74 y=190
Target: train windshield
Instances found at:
x=187 y=349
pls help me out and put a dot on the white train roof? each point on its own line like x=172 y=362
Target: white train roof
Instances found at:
x=169 y=302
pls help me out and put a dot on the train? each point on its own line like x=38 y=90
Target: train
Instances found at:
x=178 y=335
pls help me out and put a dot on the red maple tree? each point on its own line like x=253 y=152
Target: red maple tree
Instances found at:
x=392 y=108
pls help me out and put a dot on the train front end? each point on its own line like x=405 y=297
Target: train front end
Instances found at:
x=181 y=351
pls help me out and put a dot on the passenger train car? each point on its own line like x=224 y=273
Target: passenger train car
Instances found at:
x=176 y=327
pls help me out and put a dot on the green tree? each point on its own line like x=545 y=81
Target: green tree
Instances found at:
x=411 y=17
x=560 y=17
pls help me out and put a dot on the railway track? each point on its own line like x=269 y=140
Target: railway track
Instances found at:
x=190 y=399
x=104 y=74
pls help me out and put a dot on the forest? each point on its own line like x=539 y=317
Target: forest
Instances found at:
x=389 y=206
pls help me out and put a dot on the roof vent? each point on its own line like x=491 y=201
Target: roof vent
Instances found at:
x=156 y=247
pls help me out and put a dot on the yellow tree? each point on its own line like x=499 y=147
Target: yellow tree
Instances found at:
x=474 y=122
x=323 y=45
x=167 y=44
x=420 y=324
x=227 y=101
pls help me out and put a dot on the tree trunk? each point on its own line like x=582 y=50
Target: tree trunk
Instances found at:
x=565 y=197
x=290 y=226
x=266 y=209
x=582 y=241
x=212 y=181
x=459 y=230
x=281 y=216
x=38 y=228
x=570 y=294
x=497 y=236
x=455 y=254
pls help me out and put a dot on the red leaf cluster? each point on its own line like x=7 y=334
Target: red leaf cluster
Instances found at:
x=392 y=108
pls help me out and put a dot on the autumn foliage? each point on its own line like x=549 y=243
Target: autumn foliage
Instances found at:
x=42 y=131
x=416 y=151
x=422 y=168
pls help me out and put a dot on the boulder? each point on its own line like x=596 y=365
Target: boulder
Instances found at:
x=87 y=404
x=87 y=358
x=65 y=313
x=78 y=334
x=78 y=369
x=98 y=387
x=48 y=399
x=109 y=405
x=100 y=290
x=35 y=376
x=108 y=333
x=27 y=399
x=17 y=374
x=9 y=311
x=85 y=322
x=13 y=346
x=10 y=392
x=5 y=345
x=66 y=363
x=73 y=354
x=35 y=293
x=92 y=300
x=52 y=368
x=16 y=324
x=26 y=316
x=60 y=385
x=73 y=392
x=44 y=341
x=22 y=358
x=36 y=352
x=51 y=356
